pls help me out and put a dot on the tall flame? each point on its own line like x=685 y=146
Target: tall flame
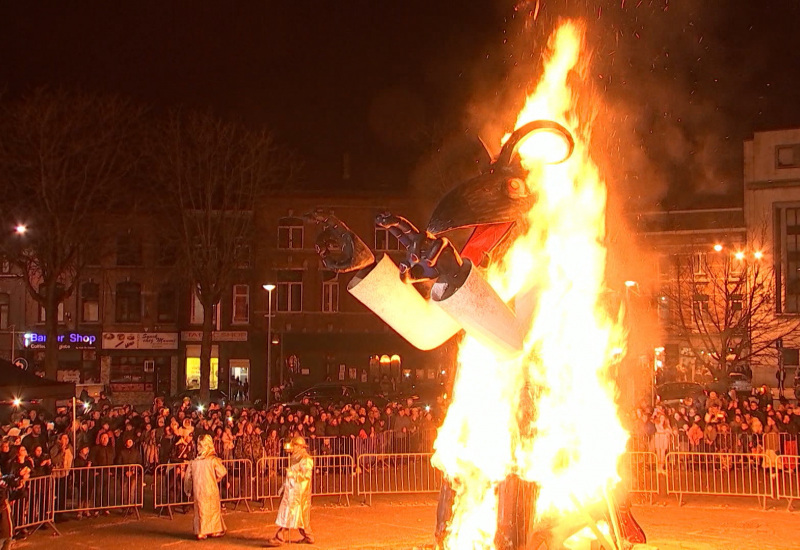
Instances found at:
x=549 y=416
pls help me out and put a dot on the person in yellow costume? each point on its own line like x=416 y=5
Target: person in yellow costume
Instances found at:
x=202 y=478
x=294 y=511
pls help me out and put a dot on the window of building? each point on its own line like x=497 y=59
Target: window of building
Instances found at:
x=42 y=313
x=736 y=302
x=241 y=304
x=290 y=290
x=787 y=156
x=5 y=304
x=385 y=241
x=662 y=304
x=243 y=253
x=700 y=307
x=167 y=305
x=91 y=254
x=129 y=250
x=90 y=302
x=788 y=271
x=330 y=292
x=196 y=314
x=129 y=302
x=167 y=254
x=5 y=267
x=290 y=233
x=791 y=357
x=193 y=367
x=699 y=263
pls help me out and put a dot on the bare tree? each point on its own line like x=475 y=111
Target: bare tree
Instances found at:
x=212 y=173
x=65 y=159
x=722 y=306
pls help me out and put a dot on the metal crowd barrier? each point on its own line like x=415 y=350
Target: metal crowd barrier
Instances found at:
x=333 y=476
x=787 y=479
x=36 y=505
x=640 y=473
x=99 y=488
x=390 y=442
x=397 y=473
x=780 y=443
x=235 y=487
x=719 y=474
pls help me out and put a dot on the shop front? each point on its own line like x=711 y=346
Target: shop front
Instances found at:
x=77 y=355
x=230 y=362
x=137 y=366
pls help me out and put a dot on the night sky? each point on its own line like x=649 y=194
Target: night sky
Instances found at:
x=403 y=87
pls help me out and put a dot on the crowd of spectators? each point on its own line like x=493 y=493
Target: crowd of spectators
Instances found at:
x=108 y=434
x=730 y=422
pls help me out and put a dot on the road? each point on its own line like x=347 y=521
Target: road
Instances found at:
x=407 y=522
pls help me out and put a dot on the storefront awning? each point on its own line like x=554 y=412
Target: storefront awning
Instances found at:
x=16 y=383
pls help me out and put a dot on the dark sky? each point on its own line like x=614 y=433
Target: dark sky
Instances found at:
x=404 y=86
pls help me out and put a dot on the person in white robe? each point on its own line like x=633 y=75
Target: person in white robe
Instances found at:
x=202 y=478
x=295 y=508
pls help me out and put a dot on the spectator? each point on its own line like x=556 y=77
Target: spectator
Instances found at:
x=35 y=438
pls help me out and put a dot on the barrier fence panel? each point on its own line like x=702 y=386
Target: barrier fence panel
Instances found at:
x=35 y=506
x=168 y=487
x=719 y=474
x=787 y=483
x=333 y=476
x=388 y=442
x=168 y=490
x=237 y=486
x=397 y=473
x=99 y=488
x=640 y=472
x=270 y=472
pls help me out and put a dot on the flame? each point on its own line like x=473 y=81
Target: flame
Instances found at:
x=549 y=416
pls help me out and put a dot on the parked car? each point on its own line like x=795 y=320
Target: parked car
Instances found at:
x=737 y=381
x=677 y=393
x=326 y=393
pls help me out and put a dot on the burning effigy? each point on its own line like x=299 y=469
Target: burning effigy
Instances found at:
x=521 y=470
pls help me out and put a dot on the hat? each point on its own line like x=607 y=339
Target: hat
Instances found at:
x=13 y=432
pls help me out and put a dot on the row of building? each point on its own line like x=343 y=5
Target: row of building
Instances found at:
x=130 y=329
x=729 y=277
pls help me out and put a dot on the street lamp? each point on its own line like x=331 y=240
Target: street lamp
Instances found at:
x=269 y=288
x=20 y=229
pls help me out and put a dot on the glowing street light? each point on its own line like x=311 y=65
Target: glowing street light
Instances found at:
x=20 y=229
x=739 y=255
x=758 y=255
x=718 y=247
x=269 y=288
x=17 y=401
x=630 y=284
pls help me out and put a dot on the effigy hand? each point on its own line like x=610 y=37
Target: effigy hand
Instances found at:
x=340 y=249
x=428 y=257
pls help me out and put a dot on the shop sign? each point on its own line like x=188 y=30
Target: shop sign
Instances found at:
x=216 y=336
x=140 y=340
x=70 y=340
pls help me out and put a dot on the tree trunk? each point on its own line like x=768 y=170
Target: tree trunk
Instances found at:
x=205 y=354
x=51 y=339
x=51 y=332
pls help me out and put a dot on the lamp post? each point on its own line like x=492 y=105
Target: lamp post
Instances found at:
x=269 y=288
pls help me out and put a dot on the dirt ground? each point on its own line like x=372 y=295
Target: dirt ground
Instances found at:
x=406 y=522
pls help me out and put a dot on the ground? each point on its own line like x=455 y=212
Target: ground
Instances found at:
x=407 y=522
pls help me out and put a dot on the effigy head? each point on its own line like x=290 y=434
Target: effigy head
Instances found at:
x=500 y=194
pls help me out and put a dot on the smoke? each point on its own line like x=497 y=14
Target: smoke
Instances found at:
x=662 y=93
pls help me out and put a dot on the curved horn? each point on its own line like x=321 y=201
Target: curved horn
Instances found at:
x=510 y=147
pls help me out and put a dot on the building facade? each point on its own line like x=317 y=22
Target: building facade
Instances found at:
x=134 y=327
